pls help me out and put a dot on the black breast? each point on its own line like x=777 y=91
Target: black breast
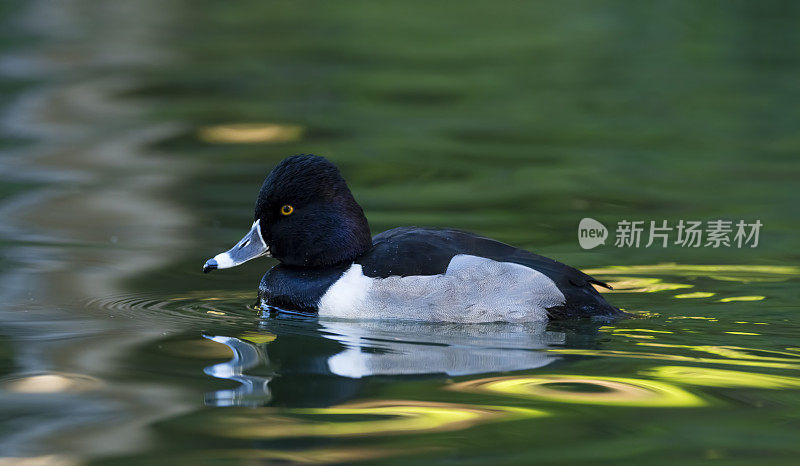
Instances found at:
x=297 y=288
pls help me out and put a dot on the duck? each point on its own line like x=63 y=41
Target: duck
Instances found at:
x=330 y=265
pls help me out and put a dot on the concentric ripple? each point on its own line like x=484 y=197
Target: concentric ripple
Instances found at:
x=394 y=417
x=198 y=306
x=610 y=391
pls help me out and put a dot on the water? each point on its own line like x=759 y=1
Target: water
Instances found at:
x=135 y=137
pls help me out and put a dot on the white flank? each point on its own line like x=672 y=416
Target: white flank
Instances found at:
x=473 y=289
x=345 y=298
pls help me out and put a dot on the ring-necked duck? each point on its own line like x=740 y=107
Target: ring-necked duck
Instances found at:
x=330 y=265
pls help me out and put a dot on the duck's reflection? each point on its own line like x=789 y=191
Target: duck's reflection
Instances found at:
x=253 y=391
x=415 y=348
x=347 y=351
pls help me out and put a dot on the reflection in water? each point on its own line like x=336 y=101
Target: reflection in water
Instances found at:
x=617 y=391
x=393 y=417
x=741 y=298
x=611 y=391
x=641 y=333
x=251 y=133
x=736 y=273
x=371 y=348
x=709 y=319
x=735 y=352
x=51 y=383
x=696 y=294
x=731 y=356
x=95 y=215
x=708 y=377
x=93 y=210
x=642 y=285
x=197 y=307
x=303 y=455
x=254 y=391
x=403 y=348
x=45 y=460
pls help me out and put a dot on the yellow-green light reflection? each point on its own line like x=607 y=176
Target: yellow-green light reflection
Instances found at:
x=631 y=330
x=707 y=377
x=302 y=455
x=610 y=391
x=710 y=319
x=642 y=285
x=642 y=333
x=741 y=298
x=249 y=133
x=258 y=338
x=736 y=352
x=731 y=355
x=395 y=417
x=738 y=273
x=695 y=295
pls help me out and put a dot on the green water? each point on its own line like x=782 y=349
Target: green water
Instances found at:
x=511 y=119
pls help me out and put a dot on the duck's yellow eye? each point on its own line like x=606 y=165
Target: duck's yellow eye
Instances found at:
x=287 y=210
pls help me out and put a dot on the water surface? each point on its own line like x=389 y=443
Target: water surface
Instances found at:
x=135 y=136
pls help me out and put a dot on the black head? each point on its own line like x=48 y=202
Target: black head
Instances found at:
x=308 y=215
x=305 y=216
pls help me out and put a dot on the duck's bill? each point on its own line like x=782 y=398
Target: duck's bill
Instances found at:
x=249 y=247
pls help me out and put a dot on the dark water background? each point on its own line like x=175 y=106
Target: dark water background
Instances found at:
x=121 y=174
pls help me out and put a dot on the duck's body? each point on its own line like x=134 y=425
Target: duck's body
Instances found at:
x=438 y=275
x=330 y=267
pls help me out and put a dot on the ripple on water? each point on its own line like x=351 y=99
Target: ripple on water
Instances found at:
x=192 y=307
x=735 y=273
x=376 y=348
x=335 y=455
x=682 y=277
x=50 y=382
x=708 y=377
x=582 y=389
x=387 y=417
x=730 y=355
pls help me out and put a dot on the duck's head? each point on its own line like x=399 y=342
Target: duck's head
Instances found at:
x=305 y=216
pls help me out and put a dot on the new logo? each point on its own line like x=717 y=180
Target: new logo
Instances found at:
x=591 y=233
